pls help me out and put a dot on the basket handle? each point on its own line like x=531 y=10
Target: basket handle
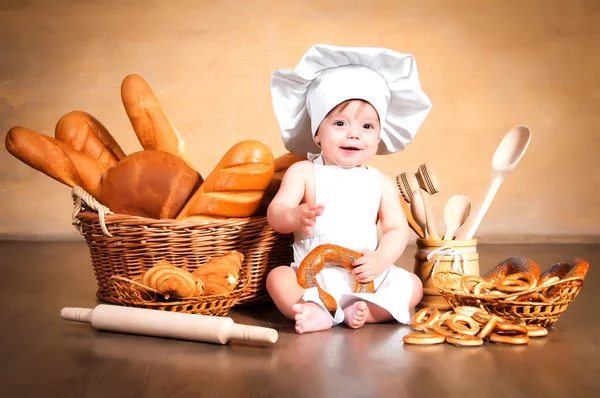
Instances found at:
x=80 y=196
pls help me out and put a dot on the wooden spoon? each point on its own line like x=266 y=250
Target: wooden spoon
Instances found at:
x=456 y=212
x=507 y=156
x=417 y=208
x=431 y=229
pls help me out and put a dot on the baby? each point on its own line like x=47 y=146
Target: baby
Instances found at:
x=342 y=106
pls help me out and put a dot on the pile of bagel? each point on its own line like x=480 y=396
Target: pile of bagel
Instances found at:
x=468 y=326
x=160 y=181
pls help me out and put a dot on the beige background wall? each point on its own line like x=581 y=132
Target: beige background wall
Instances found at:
x=486 y=65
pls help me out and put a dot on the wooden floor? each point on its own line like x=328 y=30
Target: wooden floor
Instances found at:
x=45 y=356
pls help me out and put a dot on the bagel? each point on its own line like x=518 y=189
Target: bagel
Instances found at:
x=567 y=269
x=489 y=327
x=517 y=268
x=466 y=281
x=509 y=338
x=462 y=324
x=425 y=318
x=464 y=340
x=423 y=338
x=314 y=262
x=536 y=331
x=440 y=327
x=467 y=310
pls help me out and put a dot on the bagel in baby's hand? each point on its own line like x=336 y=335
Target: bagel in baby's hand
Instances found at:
x=314 y=262
x=514 y=274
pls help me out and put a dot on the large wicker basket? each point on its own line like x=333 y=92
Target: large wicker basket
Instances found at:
x=127 y=246
x=542 y=311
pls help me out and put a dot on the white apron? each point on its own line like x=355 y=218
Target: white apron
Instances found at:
x=351 y=197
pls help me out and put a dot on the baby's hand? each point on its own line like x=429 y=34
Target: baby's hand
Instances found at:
x=368 y=267
x=306 y=216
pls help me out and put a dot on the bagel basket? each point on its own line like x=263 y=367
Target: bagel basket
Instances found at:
x=543 y=311
x=126 y=247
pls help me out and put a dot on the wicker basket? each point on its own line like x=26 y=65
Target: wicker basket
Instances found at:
x=542 y=312
x=127 y=246
x=134 y=294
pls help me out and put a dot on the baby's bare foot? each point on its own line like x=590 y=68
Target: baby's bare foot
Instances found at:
x=311 y=318
x=355 y=315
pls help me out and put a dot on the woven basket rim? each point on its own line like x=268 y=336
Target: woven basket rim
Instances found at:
x=498 y=297
x=92 y=215
x=244 y=282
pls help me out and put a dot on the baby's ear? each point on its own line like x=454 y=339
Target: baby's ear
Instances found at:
x=317 y=140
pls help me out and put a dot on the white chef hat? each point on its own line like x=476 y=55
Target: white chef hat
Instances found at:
x=329 y=75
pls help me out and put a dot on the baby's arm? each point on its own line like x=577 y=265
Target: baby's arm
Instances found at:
x=394 y=229
x=286 y=213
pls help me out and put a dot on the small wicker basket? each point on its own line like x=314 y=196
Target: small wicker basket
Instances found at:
x=543 y=311
x=134 y=294
x=127 y=246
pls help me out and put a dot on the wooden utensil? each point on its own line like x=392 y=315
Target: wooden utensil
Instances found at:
x=456 y=212
x=507 y=156
x=431 y=229
x=409 y=218
x=417 y=209
x=428 y=179
x=205 y=328
x=424 y=178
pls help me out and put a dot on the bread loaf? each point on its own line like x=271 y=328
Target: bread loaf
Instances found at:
x=85 y=133
x=150 y=123
x=281 y=165
x=56 y=159
x=236 y=185
x=149 y=183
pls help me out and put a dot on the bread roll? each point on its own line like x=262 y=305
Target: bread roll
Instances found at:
x=236 y=185
x=56 y=159
x=172 y=281
x=85 y=133
x=149 y=183
x=150 y=123
x=221 y=274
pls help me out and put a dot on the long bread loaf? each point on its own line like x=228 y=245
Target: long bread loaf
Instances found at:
x=150 y=122
x=236 y=185
x=281 y=165
x=85 y=133
x=56 y=159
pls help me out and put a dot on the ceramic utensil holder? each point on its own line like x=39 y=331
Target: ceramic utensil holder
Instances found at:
x=443 y=255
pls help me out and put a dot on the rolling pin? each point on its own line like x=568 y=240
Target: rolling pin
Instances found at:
x=204 y=328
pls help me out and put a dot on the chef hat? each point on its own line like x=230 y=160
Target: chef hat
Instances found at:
x=329 y=75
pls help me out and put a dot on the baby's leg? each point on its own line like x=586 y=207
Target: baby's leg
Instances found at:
x=360 y=312
x=283 y=288
x=356 y=314
x=417 y=291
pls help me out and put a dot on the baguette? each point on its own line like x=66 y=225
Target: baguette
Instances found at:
x=236 y=185
x=56 y=159
x=85 y=133
x=153 y=184
x=150 y=123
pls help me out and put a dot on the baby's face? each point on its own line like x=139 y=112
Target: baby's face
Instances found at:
x=349 y=135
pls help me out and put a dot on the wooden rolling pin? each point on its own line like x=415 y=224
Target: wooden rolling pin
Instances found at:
x=204 y=328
